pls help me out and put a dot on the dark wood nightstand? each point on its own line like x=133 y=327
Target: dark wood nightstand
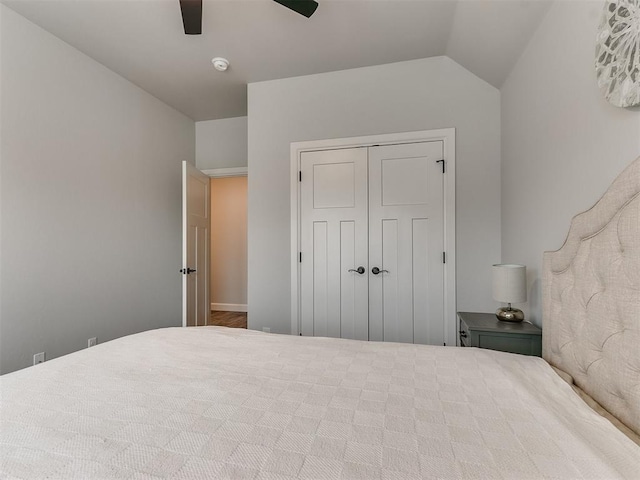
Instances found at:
x=484 y=330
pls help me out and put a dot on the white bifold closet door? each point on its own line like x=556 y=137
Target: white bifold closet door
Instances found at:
x=406 y=242
x=379 y=208
x=334 y=238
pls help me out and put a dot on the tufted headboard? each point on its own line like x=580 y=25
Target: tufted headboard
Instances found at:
x=591 y=300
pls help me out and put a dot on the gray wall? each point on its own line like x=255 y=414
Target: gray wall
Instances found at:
x=90 y=199
x=221 y=143
x=416 y=95
x=562 y=143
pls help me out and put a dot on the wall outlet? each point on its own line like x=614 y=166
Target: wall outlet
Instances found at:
x=38 y=358
x=266 y=329
x=92 y=342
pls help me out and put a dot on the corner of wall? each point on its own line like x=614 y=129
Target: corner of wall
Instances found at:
x=100 y=157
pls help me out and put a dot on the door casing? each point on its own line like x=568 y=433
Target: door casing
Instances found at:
x=226 y=172
x=447 y=136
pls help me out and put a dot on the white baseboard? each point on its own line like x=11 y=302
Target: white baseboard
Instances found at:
x=229 y=307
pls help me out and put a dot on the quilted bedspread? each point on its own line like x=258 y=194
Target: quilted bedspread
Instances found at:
x=211 y=402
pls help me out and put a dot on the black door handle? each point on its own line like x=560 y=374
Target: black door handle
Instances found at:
x=187 y=271
x=359 y=270
x=376 y=271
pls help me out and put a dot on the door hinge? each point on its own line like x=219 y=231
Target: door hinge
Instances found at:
x=300 y=257
x=439 y=161
x=444 y=257
x=299 y=175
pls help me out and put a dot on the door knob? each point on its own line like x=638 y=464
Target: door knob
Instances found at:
x=359 y=270
x=187 y=271
x=376 y=271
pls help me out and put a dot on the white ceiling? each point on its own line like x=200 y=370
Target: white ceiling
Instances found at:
x=143 y=41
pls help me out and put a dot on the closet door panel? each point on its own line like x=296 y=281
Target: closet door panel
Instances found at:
x=320 y=260
x=406 y=238
x=389 y=282
x=334 y=240
x=353 y=313
x=379 y=208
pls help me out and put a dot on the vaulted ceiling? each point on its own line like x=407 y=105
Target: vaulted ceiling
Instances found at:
x=143 y=40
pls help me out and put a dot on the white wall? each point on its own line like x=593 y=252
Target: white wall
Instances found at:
x=221 y=143
x=407 y=96
x=562 y=143
x=91 y=200
x=228 y=242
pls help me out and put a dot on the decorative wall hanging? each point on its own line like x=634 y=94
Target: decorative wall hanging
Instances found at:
x=618 y=52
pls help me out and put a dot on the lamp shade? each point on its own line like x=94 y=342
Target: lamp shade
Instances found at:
x=510 y=283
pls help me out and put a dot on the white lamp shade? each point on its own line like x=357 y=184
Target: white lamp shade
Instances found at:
x=510 y=283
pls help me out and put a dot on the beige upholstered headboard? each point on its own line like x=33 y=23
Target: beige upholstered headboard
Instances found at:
x=591 y=300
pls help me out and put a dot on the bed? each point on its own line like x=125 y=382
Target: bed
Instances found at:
x=212 y=402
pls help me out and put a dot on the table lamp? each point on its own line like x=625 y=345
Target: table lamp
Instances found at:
x=509 y=286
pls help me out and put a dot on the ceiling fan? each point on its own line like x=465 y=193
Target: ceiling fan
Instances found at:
x=192 y=12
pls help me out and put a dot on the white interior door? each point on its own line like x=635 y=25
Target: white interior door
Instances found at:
x=406 y=243
x=382 y=209
x=334 y=244
x=195 y=246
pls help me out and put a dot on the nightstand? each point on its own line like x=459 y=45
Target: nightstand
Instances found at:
x=484 y=330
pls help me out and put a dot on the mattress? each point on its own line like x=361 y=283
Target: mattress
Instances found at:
x=212 y=402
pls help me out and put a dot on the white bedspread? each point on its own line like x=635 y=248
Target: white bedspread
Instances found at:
x=212 y=402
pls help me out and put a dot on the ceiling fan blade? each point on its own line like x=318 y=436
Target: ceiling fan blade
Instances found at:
x=191 y=16
x=303 y=7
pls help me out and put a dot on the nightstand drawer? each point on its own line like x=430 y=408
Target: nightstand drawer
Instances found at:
x=524 y=345
x=484 y=330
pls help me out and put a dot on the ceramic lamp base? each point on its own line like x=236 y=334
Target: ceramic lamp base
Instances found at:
x=508 y=314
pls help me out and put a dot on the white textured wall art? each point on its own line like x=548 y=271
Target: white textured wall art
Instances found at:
x=618 y=52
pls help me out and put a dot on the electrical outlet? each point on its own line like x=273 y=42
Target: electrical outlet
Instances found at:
x=92 y=342
x=266 y=329
x=38 y=358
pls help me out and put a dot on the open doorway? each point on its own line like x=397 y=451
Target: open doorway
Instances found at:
x=228 y=251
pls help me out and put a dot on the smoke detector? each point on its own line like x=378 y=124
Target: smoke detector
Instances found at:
x=220 y=64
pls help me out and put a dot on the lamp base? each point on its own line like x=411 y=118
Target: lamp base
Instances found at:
x=508 y=314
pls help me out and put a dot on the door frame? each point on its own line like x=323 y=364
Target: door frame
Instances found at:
x=448 y=137
x=225 y=172
x=211 y=173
